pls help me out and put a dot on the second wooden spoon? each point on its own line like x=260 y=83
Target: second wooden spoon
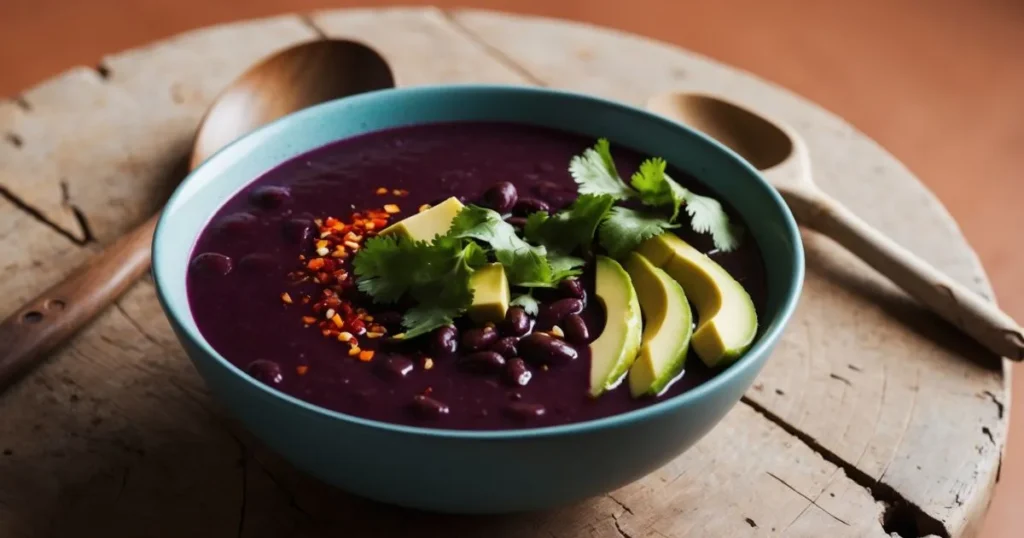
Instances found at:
x=781 y=155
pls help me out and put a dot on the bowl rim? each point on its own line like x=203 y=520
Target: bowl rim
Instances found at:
x=748 y=360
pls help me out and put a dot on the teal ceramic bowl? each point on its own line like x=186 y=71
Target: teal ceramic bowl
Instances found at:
x=472 y=471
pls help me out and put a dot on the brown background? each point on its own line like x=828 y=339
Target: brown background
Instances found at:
x=939 y=83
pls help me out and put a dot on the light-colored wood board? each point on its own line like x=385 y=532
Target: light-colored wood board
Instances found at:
x=113 y=146
x=420 y=45
x=862 y=370
x=116 y=435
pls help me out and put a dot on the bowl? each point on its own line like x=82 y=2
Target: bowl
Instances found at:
x=476 y=471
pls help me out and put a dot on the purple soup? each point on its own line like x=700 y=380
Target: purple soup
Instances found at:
x=263 y=301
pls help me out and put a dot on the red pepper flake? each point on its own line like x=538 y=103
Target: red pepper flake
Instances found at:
x=381 y=191
x=423 y=208
x=315 y=264
x=308 y=320
x=391 y=209
x=285 y=298
x=400 y=192
x=301 y=370
x=366 y=356
x=427 y=391
x=428 y=363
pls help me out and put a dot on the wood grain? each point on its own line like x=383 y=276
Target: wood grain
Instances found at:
x=869 y=410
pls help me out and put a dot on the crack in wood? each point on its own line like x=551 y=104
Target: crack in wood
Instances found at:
x=618 y=527
x=307 y=20
x=988 y=433
x=621 y=504
x=810 y=500
x=496 y=54
x=38 y=216
x=880 y=491
x=83 y=223
x=22 y=103
x=838 y=377
x=1000 y=408
x=14 y=140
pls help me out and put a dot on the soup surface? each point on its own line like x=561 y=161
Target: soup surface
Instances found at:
x=253 y=294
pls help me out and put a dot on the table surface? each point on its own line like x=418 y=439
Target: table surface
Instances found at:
x=872 y=417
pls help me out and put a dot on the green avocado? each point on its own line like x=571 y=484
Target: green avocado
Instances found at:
x=614 y=351
x=428 y=224
x=727 y=319
x=489 y=285
x=490 y=294
x=668 y=325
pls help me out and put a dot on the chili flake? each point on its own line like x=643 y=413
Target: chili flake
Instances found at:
x=366 y=356
x=424 y=207
x=353 y=351
x=381 y=191
x=400 y=192
x=391 y=209
x=301 y=370
x=428 y=363
x=286 y=298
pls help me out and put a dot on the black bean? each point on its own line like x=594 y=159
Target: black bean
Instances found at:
x=479 y=338
x=516 y=372
x=212 y=263
x=445 y=341
x=516 y=322
x=265 y=371
x=525 y=206
x=575 y=329
x=394 y=367
x=524 y=411
x=427 y=407
x=298 y=231
x=572 y=287
x=541 y=348
x=553 y=313
x=501 y=197
x=506 y=347
x=518 y=222
x=236 y=223
x=269 y=196
x=481 y=362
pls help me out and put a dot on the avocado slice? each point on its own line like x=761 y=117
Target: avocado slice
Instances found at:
x=668 y=325
x=490 y=294
x=614 y=351
x=727 y=319
x=428 y=224
x=489 y=285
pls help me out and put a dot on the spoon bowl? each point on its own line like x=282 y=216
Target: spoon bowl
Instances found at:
x=781 y=155
x=298 y=77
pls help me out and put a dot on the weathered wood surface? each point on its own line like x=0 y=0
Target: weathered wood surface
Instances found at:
x=869 y=408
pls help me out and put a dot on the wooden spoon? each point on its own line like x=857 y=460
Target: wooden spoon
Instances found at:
x=782 y=157
x=290 y=80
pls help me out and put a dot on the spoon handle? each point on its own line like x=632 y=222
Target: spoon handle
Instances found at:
x=54 y=316
x=971 y=313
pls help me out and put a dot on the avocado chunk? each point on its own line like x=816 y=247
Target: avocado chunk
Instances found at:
x=489 y=285
x=727 y=321
x=428 y=224
x=490 y=294
x=614 y=351
x=668 y=325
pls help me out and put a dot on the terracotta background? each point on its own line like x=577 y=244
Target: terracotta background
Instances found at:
x=939 y=83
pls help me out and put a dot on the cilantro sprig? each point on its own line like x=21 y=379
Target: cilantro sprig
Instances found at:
x=438 y=282
x=594 y=172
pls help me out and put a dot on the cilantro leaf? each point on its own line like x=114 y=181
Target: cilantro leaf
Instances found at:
x=655 y=188
x=571 y=228
x=525 y=265
x=423 y=318
x=595 y=173
x=626 y=228
x=439 y=283
x=707 y=216
x=526 y=301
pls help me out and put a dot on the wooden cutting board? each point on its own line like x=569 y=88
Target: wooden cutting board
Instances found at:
x=872 y=417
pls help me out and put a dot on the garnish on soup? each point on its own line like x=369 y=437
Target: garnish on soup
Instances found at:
x=526 y=303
